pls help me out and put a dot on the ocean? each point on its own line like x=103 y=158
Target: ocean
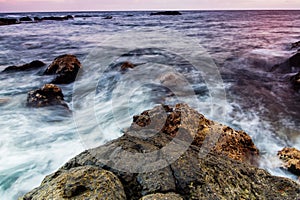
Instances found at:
x=219 y=62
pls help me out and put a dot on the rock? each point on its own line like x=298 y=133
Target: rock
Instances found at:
x=29 y=66
x=291 y=159
x=65 y=67
x=295 y=45
x=79 y=183
x=25 y=19
x=37 y=19
x=166 y=13
x=48 y=95
x=295 y=80
x=8 y=21
x=4 y=101
x=107 y=17
x=159 y=196
x=291 y=65
x=147 y=165
x=127 y=65
x=233 y=144
x=58 y=18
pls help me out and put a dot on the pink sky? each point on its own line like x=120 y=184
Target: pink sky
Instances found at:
x=78 y=5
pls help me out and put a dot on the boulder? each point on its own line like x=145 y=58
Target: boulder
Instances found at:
x=149 y=168
x=48 y=95
x=160 y=196
x=8 y=21
x=291 y=159
x=65 y=67
x=234 y=144
x=295 y=80
x=79 y=183
x=295 y=45
x=29 y=66
x=166 y=13
x=291 y=65
x=25 y=19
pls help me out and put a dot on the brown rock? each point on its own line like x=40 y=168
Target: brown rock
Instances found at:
x=127 y=65
x=65 y=67
x=79 y=183
x=236 y=145
x=159 y=196
x=291 y=159
x=48 y=95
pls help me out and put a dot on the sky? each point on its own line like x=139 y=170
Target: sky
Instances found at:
x=99 y=5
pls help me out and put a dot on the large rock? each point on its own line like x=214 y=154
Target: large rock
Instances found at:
x=8 y=21
x=152 y=164
x=166 y=13
x=233 y=144
x=295 y=80
x=291 y=65
x=48 y=95
x=55 y=18
x=79 y=183
x=65 y=67
x=25 y=19
x=29 y=66
x=295 y=45
x=291 y=159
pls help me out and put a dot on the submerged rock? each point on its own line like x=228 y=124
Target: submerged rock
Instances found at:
x=8 y=21
x=65 y=67
x=295 y=80
x=48 y=95
x=127 y=65
x=29 y=66
x=79 y=183
x=108 y=17
x=166 y=13
x=291 y=159
x=180 y=169
x=233 y=144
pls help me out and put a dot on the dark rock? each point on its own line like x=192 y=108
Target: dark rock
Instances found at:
x=158 y=170
x=291 y=159
x=58 y=18
x=291 y=65
x=129 y=15
x=65 y=67
x=37 y=19
x=8 y=21
x=79 y=183
x=29 y=66
x=295 y=45
x=234 y=144
x=83 y=16
x=48 y=95
x=295 y=80
x=107 y=17
x=127 y=65
x=25 y=19
x=166 y=13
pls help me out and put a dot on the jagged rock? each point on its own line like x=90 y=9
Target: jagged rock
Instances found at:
x=157 y=164
x=79 y=183
x=159 y=196
x=8 y=21
x=291 y=159
x=234 y=144
x=48 y=95
x=127 y=65
x=295 y=45
x=295 y=80
x=29 y=66
x=65 y=67
x=166 y=13
x=291 y=65
x=25 y=19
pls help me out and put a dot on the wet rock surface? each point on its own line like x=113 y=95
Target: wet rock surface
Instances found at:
x=65 y=67
x=48 y=95
x=8 y=21
x=153 y=164
x=295 y=45
x=159 y=196
x=29 y=66
x=25 y=19
x=291 y=65
x=291 y=159
x=166 y=13
x=295 y=80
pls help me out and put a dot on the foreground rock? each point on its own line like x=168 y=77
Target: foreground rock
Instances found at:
x=29 y=66
x=151 y=164
x=166 y=13
x=291 y=65
x=233 y=144
x=65 y=67
x=8 y=21
x=295 y=45
x=48 y=95
x=295 y=80
x=291 y=159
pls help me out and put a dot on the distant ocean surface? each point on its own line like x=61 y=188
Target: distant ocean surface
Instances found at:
x=244 y=46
